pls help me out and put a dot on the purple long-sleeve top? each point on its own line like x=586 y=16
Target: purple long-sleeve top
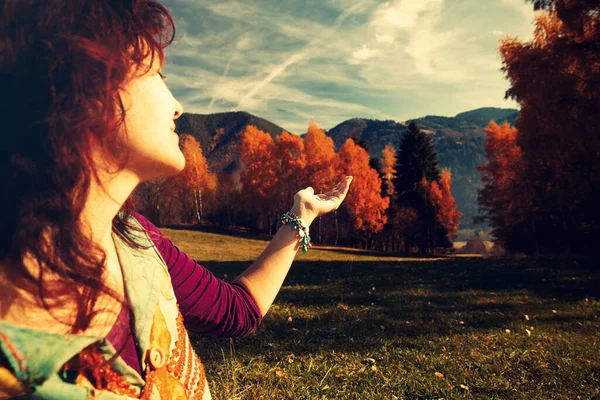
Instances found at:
x=209 y=306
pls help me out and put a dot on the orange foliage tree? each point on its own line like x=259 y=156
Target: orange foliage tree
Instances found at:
x=504 y=196
x=555 y=77
x=321 y=172
x=289 y=163
x=258 y=177
x=321 y=160
x=448 y=215
x=364 y=203
x=388 y=169
x=188 y=190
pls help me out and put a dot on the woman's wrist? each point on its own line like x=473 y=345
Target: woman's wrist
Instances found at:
x=305 y=215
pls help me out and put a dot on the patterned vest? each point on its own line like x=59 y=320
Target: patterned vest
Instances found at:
x=48 y=366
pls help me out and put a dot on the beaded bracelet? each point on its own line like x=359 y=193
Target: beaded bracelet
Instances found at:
x=296 y=223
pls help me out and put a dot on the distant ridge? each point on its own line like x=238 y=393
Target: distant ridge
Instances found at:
x=219 y=135
x=459 y=142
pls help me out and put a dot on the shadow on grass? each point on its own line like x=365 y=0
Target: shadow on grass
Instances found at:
x=357 y=306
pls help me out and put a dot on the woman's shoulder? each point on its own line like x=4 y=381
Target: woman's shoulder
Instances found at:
x=152 y=230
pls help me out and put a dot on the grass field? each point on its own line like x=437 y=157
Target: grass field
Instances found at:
x=352 y=325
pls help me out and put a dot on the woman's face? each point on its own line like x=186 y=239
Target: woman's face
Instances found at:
x=150 y=116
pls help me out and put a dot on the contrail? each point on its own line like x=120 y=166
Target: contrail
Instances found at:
x=298 y=56
x=212 y=99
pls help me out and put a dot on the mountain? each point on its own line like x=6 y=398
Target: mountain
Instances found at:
x=459 y=142
x=219 y=135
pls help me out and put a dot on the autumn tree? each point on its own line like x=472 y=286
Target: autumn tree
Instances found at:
x=190 y=187
x=321 y=166
x=374 y=162
x=504 y=197
x=555 y=77
x=448 y=214
x=258 y=177
x=289 y=162
x=365 y=206
x=441 y=204
x=321 y=172
x=388 y=169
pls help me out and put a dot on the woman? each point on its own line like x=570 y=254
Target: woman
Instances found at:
x=94 y=300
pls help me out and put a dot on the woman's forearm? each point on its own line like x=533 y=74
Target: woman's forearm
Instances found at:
x=264 y=277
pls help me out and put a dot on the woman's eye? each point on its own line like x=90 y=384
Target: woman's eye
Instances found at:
x=162 y=76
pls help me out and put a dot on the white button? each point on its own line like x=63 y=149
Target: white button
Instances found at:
x=157 y=357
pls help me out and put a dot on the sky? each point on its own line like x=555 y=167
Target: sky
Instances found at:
x=290 y=61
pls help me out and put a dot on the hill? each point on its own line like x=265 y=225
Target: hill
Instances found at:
x=219 y=135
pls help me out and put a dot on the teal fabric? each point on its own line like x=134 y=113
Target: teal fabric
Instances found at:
x=39 y=356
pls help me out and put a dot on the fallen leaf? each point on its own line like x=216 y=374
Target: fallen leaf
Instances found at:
x=368 y=361
x=382 y=327
x=280 y=373
x=373 y=288
x=526 y=317
x=554 y=311
x=325 y=387
x=289 y=319
x=374 y=368
x=439 y=375
x=493 y=301
x=464 y=387
x=461 y=322
x=507 y=331
x=488 y=339
x=528 y=332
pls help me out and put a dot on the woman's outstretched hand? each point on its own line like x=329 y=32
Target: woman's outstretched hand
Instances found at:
x=308 y=205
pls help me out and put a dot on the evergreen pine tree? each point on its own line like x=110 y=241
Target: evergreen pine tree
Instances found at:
x=417 y=162
x=416 y=159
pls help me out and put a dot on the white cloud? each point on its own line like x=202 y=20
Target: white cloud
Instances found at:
x=191 y=40
x=384 y=39
x=402 y=14
x=247 y=42
x=440 y=58
x=363 y=54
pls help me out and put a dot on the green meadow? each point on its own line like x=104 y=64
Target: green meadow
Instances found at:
x=350 y=324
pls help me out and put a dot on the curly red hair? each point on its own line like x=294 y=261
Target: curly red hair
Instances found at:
x=62 y=65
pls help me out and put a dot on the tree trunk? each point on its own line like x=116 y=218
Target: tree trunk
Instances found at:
x=337 y=228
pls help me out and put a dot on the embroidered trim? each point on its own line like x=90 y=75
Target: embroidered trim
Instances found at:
x=92 y=365
x=185 y=365
x=149 y=384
